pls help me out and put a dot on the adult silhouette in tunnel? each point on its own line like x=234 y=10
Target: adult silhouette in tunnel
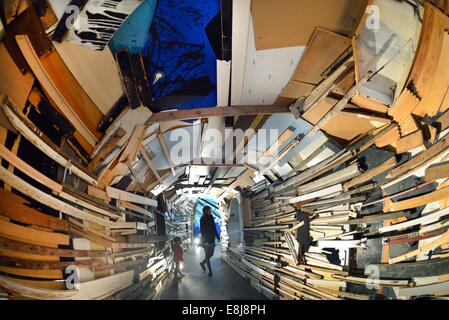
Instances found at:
x=208 y=235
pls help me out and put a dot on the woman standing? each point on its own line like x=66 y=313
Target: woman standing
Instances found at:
x=208 y=235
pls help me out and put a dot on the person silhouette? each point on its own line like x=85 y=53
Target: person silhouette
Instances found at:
x=208 y=235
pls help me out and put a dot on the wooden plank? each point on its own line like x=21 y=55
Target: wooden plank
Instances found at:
x=104 y=287
x=268 y=154
x=36 y=293
x=408 y=270
x=369 y=174
x=47 y=82
x=22 y=186
x=147 y=158
x=323 y=49
x=133 y=145
x=35 y=136
x=430 y=104
x=136 y=208
x=340 y=105
x=15 y=207
x=417 y=201
x=409 y=142
x=28 y=170
x=420 y=158
x=293 y=23
x=49 y=251
x=141 y=77
x=95 y=71
x=100 y=194
x=33 y=273
x=166 y=153
x=296 y=89
x=32 y=236
x=437 y=171
x=127 y=196
x=201 y=113
x=443 y=239
x=106 y=149
x=13 y=83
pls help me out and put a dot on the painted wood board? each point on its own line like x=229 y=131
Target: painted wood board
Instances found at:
x=293 y=22
x=95 y=71
x=99 y=20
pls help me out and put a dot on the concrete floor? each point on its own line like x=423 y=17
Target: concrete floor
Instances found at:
x=226 y=284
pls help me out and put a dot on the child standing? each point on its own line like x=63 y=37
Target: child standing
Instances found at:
x=178 y=256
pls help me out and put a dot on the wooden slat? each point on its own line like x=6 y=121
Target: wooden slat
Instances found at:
x=28 y=170
x=201 y=113
x=147 y=158
x=367 y=175
x=437 y=171
x=417 y=201
x=166 y=153
x=106 y=149
x=127 y=196
x=36 y=293
x=32 y=236
x=14 y=207
x=46 y=251
x=53 y=90
x=48 y=200
x=35 y=136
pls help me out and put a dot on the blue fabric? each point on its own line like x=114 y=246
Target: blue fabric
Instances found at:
x=178 y=46
x=134 y=32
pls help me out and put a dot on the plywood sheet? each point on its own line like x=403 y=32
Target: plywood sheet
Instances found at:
x=291 y=23
x=323 y=49
x=13 y=83
x=346 y=125
x=296 y=89
x=95 y=71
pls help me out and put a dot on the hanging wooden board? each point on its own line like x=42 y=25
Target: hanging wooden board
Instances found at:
x=95 y=71
x=27 y=23
x=291 y=23
x=13 y=83
x=323 y=49
x=54 y=91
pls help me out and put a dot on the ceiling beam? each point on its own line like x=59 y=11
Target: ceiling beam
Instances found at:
x=200 y=113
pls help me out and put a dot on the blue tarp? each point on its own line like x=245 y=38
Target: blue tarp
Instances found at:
x=178 y=47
